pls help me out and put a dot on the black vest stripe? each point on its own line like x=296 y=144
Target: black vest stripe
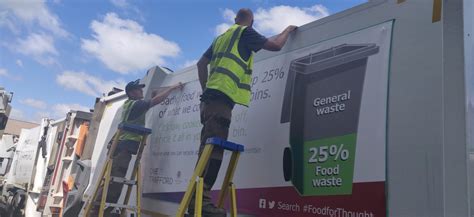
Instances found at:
x=233 y=57
x=232 y=76
x=233 y=39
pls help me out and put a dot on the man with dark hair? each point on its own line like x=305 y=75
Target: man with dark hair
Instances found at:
x=230 y=58
x=134 y=111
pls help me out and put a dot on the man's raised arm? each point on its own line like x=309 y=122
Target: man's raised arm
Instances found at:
x=275 y=43
x=202 y=71
x=159 y=97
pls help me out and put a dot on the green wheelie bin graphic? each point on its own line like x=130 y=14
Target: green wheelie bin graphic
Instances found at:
x=322 y=103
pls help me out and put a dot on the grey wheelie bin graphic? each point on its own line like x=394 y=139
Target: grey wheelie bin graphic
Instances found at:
x=322 y=102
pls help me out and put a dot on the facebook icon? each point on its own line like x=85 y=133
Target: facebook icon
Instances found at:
x=262 y=203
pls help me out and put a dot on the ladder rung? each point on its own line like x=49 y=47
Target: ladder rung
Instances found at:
x=121 y=206
x=134 y=129
x=216 y=141
x=123 y=180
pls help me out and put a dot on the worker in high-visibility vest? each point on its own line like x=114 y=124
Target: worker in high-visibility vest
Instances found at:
x=133 y=112
x=230 y=58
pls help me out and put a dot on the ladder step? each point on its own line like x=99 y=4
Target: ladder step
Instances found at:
x=121 y=206
x=134 y=129
x=216 y=141
x=117 y=205
x=123 y=180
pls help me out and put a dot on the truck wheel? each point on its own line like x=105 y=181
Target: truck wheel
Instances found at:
x=3 y=209
x=16 y=204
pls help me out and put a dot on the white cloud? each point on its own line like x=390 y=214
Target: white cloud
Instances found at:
x=47 y=60
x=40 y=46
x=86 y=83
x=275 y=19
x=19 y=63
x=221 y=28
x=120 y=3
x=17 y=114
x=60 y=110
x=128 y=9
x=228 y=16
x=5 y=21
x=32 y=12
x=189 y=63
x=42 y=26
x=38 y=104
x=55 y=111
x=123 y=45
x=37 y=45
x=6 y=74
x=45 y=114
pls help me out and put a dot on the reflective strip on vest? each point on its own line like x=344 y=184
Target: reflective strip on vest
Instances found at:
x=140 y=120
x=233 y=77
x=236 y=59
x=230 y=73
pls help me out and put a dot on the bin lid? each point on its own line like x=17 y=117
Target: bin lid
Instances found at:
x=334 y=56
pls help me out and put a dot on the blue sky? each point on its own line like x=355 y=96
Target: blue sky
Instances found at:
x=60 y=54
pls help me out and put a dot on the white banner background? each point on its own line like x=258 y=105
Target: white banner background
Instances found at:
x=171 y=154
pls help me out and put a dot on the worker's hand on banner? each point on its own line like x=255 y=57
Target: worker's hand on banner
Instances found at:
x=178 y=86
x=291 y=28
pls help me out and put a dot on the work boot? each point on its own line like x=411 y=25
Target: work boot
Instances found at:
x=209 y=210
x=94 y=212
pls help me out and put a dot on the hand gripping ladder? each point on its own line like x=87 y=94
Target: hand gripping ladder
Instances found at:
x=198 y=173
x=134 y=180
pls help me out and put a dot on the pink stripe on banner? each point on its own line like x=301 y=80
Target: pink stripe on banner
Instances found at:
x=367 y=200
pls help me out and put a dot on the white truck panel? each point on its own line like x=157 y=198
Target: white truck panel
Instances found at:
x=426 y=159
x=23 y=159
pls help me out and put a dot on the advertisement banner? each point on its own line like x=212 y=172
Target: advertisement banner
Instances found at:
x=314 y=133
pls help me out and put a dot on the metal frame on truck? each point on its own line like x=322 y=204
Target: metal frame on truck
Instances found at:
x=64 y=159
x=36 y=189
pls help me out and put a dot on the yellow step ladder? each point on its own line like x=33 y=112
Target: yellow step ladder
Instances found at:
x=196 y=182
x=135 y=179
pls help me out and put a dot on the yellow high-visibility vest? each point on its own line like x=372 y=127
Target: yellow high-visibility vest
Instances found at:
x=140 y=120
x=229 y=72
